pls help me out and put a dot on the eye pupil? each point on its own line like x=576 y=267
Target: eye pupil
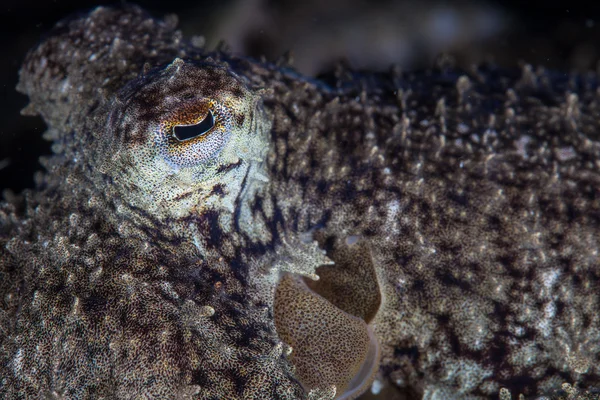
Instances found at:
x=187 y=132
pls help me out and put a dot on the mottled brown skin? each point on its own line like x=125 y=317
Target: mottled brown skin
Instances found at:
x=473 y=196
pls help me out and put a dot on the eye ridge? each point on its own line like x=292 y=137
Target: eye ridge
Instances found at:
x=187 y=132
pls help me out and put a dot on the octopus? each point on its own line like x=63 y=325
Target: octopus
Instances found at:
x=211 y=226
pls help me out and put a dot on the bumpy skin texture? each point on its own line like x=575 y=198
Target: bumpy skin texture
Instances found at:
x=473 y=196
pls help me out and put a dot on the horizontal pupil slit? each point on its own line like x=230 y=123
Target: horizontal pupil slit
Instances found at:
x=187 y=132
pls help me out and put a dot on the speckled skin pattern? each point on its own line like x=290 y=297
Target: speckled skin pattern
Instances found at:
x=468 y=201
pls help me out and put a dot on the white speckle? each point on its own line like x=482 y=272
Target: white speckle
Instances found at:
x=208 y=311
x=93 y=57
x=491 y=133
x=545 y=324
x=36 y=298
x=550 y=310
x=393 y=208
x=66 y=85
x=550 y=277
x=260 y=177
x=75 y=307
x=196 y=238
x=169 y=290
x=386 y=171
x=566 y=153
x=462 y=128
x=516 y=330
x=376 y=386
x=94 y=275
x=521 y=145
x=18 y=361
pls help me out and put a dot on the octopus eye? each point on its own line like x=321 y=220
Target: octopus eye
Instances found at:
x=187 y=132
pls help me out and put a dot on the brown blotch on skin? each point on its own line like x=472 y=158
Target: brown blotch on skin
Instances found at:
x=239 y=119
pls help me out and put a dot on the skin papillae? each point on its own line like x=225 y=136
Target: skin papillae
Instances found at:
x=455 y=213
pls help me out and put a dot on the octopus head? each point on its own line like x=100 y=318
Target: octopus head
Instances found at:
x=184 y=137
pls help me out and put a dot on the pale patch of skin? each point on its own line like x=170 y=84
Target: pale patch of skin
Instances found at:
x=332 y=347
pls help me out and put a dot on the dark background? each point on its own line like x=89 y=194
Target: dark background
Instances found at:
x=370 y=34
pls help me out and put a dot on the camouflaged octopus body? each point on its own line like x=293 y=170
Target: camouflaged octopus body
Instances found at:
x=472 y=198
